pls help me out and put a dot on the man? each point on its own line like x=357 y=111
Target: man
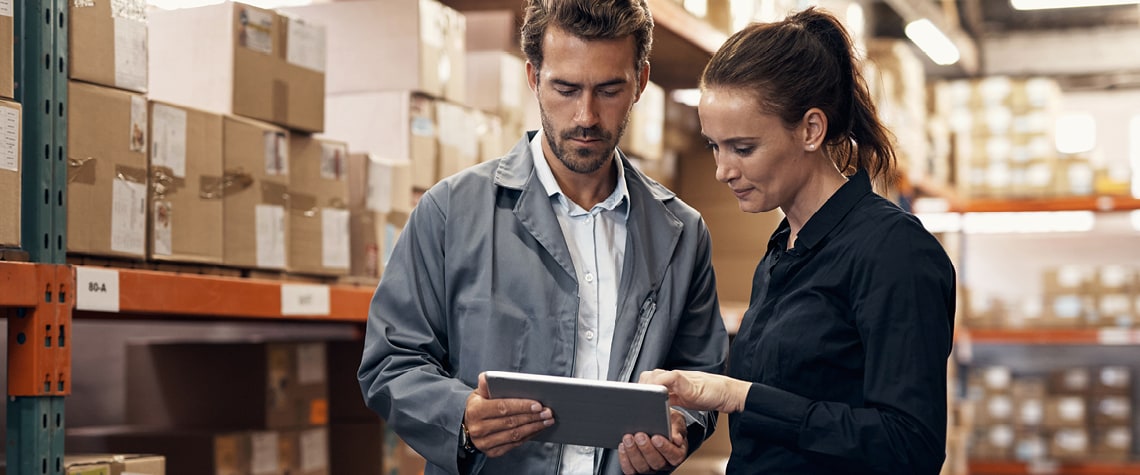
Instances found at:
x=559 y=258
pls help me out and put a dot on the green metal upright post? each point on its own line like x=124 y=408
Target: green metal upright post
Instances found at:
x=35 y=403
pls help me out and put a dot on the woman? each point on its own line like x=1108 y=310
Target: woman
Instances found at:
x=840 y=363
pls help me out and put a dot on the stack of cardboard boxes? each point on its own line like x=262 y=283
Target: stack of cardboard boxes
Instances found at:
x=897 y=82
x=115 y=464
x=1068 y=414
x=11 y=135
x=1074 y=296
x=220 y=408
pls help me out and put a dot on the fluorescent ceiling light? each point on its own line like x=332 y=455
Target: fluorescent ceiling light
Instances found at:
x=1049 y=4
x=933 y=42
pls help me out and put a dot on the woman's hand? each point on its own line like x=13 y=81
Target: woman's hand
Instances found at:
x=700 y=391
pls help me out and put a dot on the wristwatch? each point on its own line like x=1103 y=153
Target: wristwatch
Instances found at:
x=465 y=440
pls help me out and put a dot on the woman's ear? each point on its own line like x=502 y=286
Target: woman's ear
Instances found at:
x=814 y=129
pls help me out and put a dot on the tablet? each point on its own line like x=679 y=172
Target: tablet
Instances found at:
x=588 y=412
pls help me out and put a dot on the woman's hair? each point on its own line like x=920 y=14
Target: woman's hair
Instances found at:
x=589 y=20
x=806 y=61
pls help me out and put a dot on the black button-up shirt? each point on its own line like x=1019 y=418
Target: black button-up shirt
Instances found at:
x=846 y=340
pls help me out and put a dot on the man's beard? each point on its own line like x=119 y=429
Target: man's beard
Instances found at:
x=581 y=160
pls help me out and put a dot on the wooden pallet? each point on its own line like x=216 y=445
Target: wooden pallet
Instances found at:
x=14 y=254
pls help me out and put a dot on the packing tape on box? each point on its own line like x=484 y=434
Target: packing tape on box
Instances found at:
x=131 y=174
x=211 y=187
x=280 y=101
x=304 y=203
x=81 y=170
x=233 y=181
x=274 y=194
x=163 y=182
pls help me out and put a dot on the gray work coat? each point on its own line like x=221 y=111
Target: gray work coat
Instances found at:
x=481 y=279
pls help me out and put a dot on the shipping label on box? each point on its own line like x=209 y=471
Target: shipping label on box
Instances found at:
x=10 y=181
x=109 y=43
x=305 y=44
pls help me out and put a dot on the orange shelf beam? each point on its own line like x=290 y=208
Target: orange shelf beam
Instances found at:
x=20 y=284
x=1076 y=203
x=1075 y=468
x=1069 y=336
x=155 y=294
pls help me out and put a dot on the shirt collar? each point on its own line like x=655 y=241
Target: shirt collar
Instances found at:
x=834 y=210
x=619 y=197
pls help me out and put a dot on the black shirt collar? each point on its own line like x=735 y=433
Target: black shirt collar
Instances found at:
x=830 y=214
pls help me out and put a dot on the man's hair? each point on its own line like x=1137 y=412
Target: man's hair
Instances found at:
x=588 y=20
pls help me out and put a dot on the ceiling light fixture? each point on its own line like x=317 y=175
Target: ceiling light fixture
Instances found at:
x=933 y=42
x=1051 y=4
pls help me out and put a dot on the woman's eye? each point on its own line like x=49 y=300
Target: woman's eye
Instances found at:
x=743 y=150
x=710 y=146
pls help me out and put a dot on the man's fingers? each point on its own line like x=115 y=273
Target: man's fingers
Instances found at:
x=482 y=390
x=623 y=458
x=673 y=453
x=636 y=459
x=509 y=438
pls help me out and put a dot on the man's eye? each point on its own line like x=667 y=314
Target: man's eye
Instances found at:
x=609 y=92
x=565 y=92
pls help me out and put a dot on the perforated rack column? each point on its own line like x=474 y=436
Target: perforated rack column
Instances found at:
x=38 y=297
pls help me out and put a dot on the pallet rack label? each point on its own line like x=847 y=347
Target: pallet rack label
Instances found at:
x=96 y=289
x=304 y=299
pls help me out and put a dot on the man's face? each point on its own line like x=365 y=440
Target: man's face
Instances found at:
x=585 y=91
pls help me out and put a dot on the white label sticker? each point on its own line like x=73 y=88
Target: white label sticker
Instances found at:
x=314 y=450
x=256 y=30
x=96 y=289
x=163 y=232
x=306 y=45
x=130 y=54
x=304 y=299
x=276 y=154
x=270 y=236
x=9 y=138
x=332 y=161
x=168 y=138
x=311 y=363
x=128 y=217
x=5 y=7
x=379 y=193
x=334 y=238
x=431 y=23
x=264 y=453
x=138 y=124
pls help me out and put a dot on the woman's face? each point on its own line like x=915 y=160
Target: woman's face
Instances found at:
x=757 y=156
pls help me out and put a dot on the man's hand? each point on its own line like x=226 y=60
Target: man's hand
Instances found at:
x=640 y=453
x=496 y=426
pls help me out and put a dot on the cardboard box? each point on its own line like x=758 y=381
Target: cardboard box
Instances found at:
x=1070 y=444
x=366 y=236
x=357 y=448
x=107 y=172
x=346 y=401
x=239 y=386
x=993 y=443
x=493 y=30
x=1065 y=412
x=122 y=464
x=379 y=184
x=238 y=59
x=496 y=83
x=318 y=206
x=995 y=409
x=1110 y=411
x=368 y=41
x=107 y=44
x=1070 y=382
x=489 y=131
x=304 y=452
x=1030 y=445
x=11 y=156
x=7 y=54
x=1112 y=443
x=390 y=125
x=86 y=468
x=458 y=140
x=644 y=136
x=185 y=197
x=256 y=159
x=1112 y=380
x=186 y=452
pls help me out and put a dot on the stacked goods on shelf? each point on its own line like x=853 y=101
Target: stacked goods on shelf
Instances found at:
x=256 y=160
x=107 y=43
x=643 y=134
x=496 y=84
x=396 y=125
x=379 y=201
x=1068 y=414
x=318 y=207
x=237 y=59
x=458 y=138
x=1002 y=137
x=187 y=185
x=218 y=408
x=7 y=53
x=359 y=442
x=115 y=464
x=1073 y=296
x=107 y=171
x=11 y=154
x=898 y=84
